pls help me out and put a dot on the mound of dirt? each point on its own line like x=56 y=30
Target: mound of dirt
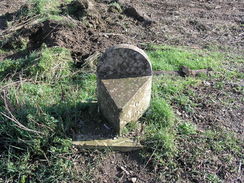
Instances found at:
x=93 y=26
x=91 y=29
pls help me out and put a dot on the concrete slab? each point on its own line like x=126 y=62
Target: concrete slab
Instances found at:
x=120 y=144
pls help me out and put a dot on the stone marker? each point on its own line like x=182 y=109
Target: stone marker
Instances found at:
x=124 y=84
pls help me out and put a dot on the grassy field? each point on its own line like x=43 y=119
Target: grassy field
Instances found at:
x=44 y=94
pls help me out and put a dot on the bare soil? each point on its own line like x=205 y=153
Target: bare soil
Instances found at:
x=195 y=23
x=210 y=24
x=218 y=107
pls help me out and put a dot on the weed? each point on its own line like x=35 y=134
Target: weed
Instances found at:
x=114 y=6
x=187 y=129
x=129 y=128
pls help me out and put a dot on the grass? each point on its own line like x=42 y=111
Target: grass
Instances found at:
x=187 y=128
x=47 y=95
x=55 y=9
x=172 y=58
x=167 y=136
x=46 y=7
x=48 y=64
x=44 y=94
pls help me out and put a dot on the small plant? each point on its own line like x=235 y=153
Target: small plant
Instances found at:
x=46 y=7
x=213 y=178
x=130 y=127
x=187 y=129
x=115 y=7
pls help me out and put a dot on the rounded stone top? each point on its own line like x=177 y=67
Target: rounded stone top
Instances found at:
x=122 y=61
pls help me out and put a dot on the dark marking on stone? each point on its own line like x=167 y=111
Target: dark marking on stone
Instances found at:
x=123 y=61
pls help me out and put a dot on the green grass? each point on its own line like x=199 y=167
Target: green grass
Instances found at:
x=42 y=10
x=172 y=58
x=52 y=9
x=46 y=7
x=48 y=95
x=160 y=134
x=50 y=63
x=187 y=129
x=45 y=95
x=168 y=137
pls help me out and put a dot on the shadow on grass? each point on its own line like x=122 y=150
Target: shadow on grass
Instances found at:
x=82 y=121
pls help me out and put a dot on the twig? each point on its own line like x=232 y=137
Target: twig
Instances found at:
x=150 y=158
x=13 y=119
x=109 y=34
x=18 y=124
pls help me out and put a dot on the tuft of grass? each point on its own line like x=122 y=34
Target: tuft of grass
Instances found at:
x=160 y=134
x=187 y=129
x=160 y=113
x=115 y=7
x=53 y=63
x=161 y=143
x=46 y=7
x=50 y=63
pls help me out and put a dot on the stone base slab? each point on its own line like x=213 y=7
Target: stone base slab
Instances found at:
x=119 y=144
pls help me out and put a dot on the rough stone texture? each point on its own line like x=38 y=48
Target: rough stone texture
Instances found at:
x=123 y=61
x=124 y=100
x=124 y=93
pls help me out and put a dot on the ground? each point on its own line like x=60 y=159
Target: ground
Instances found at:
x=208 y=111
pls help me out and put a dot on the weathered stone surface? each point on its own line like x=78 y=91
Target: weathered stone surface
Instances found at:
x=120 y=144
x=124 y=93
x=123 y=61
x=124 y=100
